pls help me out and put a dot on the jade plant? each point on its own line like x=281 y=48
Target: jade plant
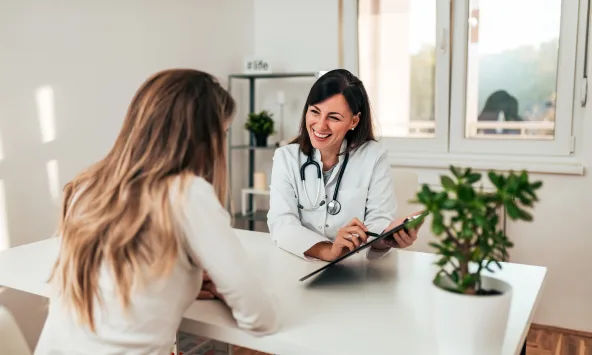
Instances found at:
x=465 y=222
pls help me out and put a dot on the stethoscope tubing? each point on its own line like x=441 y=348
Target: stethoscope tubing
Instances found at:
x=334 y=206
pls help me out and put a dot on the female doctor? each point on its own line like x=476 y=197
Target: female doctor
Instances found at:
x=333 y=183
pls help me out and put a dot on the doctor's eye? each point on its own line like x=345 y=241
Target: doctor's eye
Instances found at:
x=315 y=111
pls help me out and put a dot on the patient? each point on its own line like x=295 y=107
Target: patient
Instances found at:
x=139 y=227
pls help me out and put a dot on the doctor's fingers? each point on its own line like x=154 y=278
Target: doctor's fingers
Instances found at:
x=403 y=239
x=355 y=230
x=355 y=239
x=357 y=222
x=342 y=242
x=205 y=295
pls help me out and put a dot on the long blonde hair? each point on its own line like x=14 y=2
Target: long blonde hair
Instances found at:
x=117 y=212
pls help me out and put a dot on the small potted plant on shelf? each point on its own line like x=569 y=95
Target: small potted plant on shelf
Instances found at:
x=261 y=126
x=470 y=306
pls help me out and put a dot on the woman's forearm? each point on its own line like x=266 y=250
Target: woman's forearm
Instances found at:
x=320 y=251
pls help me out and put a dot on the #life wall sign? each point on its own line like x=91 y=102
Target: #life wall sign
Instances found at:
x=256 y=66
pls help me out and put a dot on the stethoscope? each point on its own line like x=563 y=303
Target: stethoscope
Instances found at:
x=333 y=207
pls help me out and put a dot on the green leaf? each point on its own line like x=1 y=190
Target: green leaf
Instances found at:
x=437 y=228
x=512 y=187
x=525 y=200
x=469 y=281
x=495 y=179
x=512 y=209
x=448 y=183
x=442 y=262
x=427 y=191
x=440 y=197
x=466 y=193
x=449 y=204
x=455 y=276
x=467 y=232
x=422 y=197
x=525 y=216
x=442 y=249
x=477 y=254
x=480 y=221
x=473 y=178
x=457 y=173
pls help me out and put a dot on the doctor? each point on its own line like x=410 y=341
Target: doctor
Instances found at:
x=333 y=183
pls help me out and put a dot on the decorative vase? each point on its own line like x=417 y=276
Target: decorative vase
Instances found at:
x=260 y=139
x=471 y=324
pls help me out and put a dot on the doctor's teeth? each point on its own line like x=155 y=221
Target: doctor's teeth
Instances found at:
x=320 y=135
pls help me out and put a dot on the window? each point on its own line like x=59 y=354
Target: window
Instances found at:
x=473 y=76
x=404 y=71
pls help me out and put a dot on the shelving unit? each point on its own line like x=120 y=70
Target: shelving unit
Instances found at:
x=251 y=148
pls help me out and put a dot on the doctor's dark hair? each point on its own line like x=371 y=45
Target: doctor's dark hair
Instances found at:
x=334 y=82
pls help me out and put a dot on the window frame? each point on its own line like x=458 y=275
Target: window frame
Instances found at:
x=561 y=155
x=561 y=144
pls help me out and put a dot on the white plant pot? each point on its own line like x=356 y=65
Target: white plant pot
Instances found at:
x=469 y=325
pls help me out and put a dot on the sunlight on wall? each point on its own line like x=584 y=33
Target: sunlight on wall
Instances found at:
x=4 y=237
x=45 y=112
x=53 y=180
x=1 y=147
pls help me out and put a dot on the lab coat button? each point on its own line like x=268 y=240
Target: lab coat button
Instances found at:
x=326 y=225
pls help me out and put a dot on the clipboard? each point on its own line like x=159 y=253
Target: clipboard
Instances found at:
x=364 y=246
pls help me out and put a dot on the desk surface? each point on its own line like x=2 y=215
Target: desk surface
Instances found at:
x=387 y=299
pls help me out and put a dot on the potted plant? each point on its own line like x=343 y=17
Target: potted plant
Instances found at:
x=261 y=125
x=470 y=307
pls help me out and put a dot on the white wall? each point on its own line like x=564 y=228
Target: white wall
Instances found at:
x=302 y=36
x=94 y=55
x=294 y=36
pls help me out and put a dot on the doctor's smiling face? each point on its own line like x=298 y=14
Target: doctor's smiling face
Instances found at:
x=328 y=122
x=337 y=108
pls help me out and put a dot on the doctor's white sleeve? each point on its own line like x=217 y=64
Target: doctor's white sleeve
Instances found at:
x=381 y=203
x=283 y=218
x=213 y=245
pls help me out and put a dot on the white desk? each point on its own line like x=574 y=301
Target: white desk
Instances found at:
x=387 y=298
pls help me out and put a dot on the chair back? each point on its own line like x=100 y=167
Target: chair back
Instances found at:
x=13 y=341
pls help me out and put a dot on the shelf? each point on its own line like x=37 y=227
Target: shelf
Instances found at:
x=253 y=147
x=273 y=75
x=257 y=216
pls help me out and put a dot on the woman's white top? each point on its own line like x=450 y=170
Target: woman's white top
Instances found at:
x=156 y=311
x=366 y=192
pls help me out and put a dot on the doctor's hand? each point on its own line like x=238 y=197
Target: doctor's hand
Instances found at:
x=348 y=238
x=208 y=289
x=401 y=239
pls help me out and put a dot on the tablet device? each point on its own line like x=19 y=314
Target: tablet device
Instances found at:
x=364 y=246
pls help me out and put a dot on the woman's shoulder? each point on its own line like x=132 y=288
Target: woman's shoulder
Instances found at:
x=193 y=187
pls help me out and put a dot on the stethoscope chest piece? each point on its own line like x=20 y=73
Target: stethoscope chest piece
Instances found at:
x=334 y=207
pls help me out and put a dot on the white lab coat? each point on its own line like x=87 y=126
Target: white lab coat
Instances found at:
x=366 y=192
